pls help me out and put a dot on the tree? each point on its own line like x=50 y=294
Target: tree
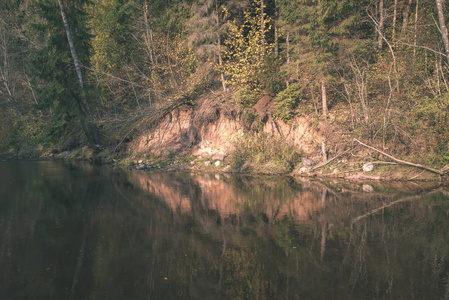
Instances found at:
x=61 y=44
x=443 y=28
x=86 y=115
x=206 y=27
x=246 y=52
x=318 y=34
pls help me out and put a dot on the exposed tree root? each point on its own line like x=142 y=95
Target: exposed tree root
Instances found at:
x=156 y=116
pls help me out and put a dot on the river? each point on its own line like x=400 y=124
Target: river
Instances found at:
x=72 y=230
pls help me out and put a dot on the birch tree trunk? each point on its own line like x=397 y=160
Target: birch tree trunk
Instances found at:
x=395 y=14
x=89 y=127
x=148 y=35
x=381 y=24
x=415 y=35
x=220 y=59
x=443 y=28
x=324 y=98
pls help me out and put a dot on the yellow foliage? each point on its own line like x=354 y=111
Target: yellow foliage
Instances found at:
x=246 y=48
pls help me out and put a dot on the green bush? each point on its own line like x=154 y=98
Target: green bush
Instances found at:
x=247 y=96
x=287 y=101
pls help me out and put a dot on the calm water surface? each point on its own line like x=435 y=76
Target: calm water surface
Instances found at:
x=78 y=231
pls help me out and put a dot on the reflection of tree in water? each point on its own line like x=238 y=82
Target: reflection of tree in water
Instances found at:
x=392 y=252
x=188 y=236
x=242 y=275
x=320 y=252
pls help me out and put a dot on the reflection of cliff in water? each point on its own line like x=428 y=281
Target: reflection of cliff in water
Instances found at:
x=231 y=198
x=326 y=240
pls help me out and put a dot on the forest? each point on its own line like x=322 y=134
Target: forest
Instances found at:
x=83 y=72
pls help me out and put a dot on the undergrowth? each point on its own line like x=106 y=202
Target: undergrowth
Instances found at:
x=262 y=153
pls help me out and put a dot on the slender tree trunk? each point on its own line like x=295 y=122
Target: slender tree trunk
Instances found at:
x=89 y=127
x=262 y=21
x=443 y=28
x=220 y=60
x=415 y=37
x=324 y=98
x=276 y=35
x=381 y=24
x=395 y=16
x=287 y=41
x=405 y=18
x=148 y=36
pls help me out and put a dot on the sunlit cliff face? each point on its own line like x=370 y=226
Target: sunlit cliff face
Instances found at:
x=215 y=132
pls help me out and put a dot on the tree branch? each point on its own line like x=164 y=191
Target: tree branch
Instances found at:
x=439 y=172
x=330 y=160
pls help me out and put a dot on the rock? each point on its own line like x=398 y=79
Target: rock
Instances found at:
x=218 y=157
x=217 y=163
x=192 y=162
x=368 y=167
x=140 y=162
x=141 y=167
x=304 y=170
x=367 y=188
x=227 y=169
x=171 y=169
x=307 y=162
x=207 y=163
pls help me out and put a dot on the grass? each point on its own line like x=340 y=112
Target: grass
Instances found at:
x=262 y=153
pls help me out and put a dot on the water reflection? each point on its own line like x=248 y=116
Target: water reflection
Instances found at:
x=77 y=231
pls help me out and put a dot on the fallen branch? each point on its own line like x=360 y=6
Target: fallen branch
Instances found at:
x=439 y=172
x=330 y=160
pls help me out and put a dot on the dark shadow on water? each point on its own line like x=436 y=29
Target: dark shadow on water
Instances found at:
x=79 y=231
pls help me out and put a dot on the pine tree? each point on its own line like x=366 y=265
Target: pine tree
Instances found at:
x=62 y=45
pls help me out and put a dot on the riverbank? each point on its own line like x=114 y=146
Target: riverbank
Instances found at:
x=214 y=136
x=354 y=170
x=344 y=169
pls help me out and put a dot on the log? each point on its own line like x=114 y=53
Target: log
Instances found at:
x=430 y=169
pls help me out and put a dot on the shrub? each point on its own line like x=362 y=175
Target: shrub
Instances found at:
x=287 y=101
x=247 y=96
x=262 y=153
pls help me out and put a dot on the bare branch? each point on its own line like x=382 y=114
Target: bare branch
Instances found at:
x=439 y=172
